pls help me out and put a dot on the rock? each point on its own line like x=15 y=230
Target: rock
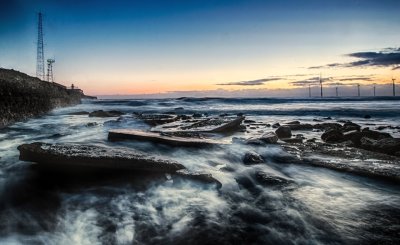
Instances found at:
x=312 y=140
x=249 y=121
x=356 y=136
x=327 y=126
x=130 y=134
x=23 y=96
x=254 y=141
x=300 y=126
x=293 y=123
x=184 y=117
x=252 y=158
x=198 y=176
x=73 y=155
x=276 y=125
x=240 y=114
x=350 y=126
x=229 y=127
x=284 y=132
x=78 y=113
x=389 y=146
x=197 y=115
x=327 y=118
x=292 y=140
x=101 y=113
x=157 y=119
x=208 y=125
x=367 y=116
x=381 y=127
x=268 y=179
x=333 y=136
x=91 y=124
x=269 y=138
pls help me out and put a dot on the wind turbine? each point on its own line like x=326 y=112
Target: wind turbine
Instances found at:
x=320 y=82
x=394 y=86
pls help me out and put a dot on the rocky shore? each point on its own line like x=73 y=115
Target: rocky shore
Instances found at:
x=339 y=145
x=23 y=96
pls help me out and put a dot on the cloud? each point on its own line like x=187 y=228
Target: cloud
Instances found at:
x=252 y=82
x=355 y=79
x=310 y=81
x=388 y=57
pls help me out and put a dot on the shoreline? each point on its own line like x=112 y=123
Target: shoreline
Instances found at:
x=23 y=97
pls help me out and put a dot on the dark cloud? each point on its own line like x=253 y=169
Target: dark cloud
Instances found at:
x=252 y=82
x=310 y=81
x=355 y=79
x=388 y=57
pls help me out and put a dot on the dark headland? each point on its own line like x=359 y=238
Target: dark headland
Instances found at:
x=23 y=96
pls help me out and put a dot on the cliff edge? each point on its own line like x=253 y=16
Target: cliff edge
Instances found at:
x=23 y=96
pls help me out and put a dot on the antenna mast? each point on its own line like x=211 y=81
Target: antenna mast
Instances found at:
x=50 y=77
x=40 y=51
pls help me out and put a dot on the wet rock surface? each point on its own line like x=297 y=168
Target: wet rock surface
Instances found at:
x=101 y=113
x=130 y=134
x=61 y=155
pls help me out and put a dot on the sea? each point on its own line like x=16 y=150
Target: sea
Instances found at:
x=321 y=206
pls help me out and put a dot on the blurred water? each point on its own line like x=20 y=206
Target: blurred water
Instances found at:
x=318 y=206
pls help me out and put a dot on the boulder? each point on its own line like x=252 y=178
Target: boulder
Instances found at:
x=269 y=179
x=356 y=136
x=202 y=177
x=333 y=136
x=327 y=126
x=101 y=113
x=299 y=126
x=91 y=124
x=284 y=132
x=294 y=123
x=276 y=125
x=73 y=155
x=389 y=146
x=350 y=126
x=269 y=138
x=252 y=158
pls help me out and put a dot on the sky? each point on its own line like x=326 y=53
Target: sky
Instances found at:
x=235 y=47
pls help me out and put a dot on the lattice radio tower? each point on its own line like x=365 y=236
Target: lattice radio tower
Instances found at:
x=50 y=77
x=40 y=51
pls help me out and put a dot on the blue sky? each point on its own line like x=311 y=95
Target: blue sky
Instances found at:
x=121 y=47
